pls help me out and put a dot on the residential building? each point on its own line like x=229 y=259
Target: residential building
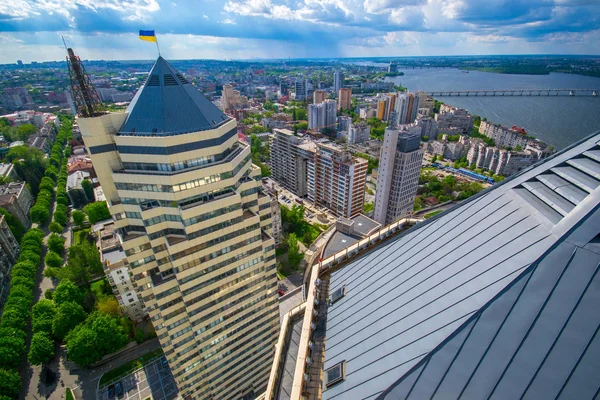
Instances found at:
x=503 y=136
x=186 y=201
x=429 y=127
x=276 y=218
x=232 y=99
x=80 y=163
x=8 y=171
x=425 y=105
x=401 y=108
x=495 y=297
x=319 y=96
x=448 y=150
x=386 y=104
x=343 y=126
x=359 y=133
x=338 y=81
x=288 y=166
x=75 y=191
x=303 y=88
x=322 y=116
x=17 y=199
x=409 y=108
x=9 y=252
x=398 y=175
x=117 y=271
x=367 y=112
x=454 y=120
x=339 y=180
x=344 y=99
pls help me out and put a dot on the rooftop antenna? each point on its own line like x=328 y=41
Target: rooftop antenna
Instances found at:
x=85 y=96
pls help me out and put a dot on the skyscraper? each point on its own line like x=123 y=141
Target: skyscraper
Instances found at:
x=344 y=99
x=322 y=115
x=196 y=230
x=338 y=81
x=398 y=175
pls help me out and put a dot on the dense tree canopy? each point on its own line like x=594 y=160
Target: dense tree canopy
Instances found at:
x=68 y=315
x=97 y=211
x=41 y=349
x=67 y=291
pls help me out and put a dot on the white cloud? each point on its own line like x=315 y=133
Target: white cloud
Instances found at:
x=131 y=9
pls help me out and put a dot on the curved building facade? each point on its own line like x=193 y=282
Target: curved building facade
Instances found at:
x=197 y=232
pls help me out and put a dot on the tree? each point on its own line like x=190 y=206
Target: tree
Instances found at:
x=55 y=227
x=25 y=130
x=42 y=315
x=67 y=291
x=88 y=189
x=60 y=217
x=41 y=350
x=294 y=254
x=101 y=334
x=53 y=260
x=12 y=347
x=78 y=217
x=109 y=305
x=97 y=211
x=10 y=382
x=56 y=244
x=434 y=158
x=30 y=165
x=14 y=224
x=39 y=214
x=68 y=315
x=82 y=261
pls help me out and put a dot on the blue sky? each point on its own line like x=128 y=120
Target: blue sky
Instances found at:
x=235 y=29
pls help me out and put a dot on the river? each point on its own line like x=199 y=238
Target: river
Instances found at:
x=556 y=120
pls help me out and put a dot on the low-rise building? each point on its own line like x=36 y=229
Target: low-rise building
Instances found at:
x=117 y=271
x=9 y=252
x=17 y=199
x=75 y=191
x=8 y=171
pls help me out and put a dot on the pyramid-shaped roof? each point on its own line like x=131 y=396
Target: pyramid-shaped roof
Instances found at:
x=167 y=104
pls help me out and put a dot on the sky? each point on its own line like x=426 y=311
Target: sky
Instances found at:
x=30 y=30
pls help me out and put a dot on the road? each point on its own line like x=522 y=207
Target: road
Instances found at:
x=83 y=382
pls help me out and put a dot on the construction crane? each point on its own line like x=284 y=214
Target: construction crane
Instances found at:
x=86 y=98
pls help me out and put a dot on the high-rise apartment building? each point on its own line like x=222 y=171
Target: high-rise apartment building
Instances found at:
x=288 y=163
x=230 y=98
x=398 y=175
x=188 y=208
x=322 y=116
x=339 y=180
x=454 y=120
x=319 y=96
x=344 y=99
x=321 y=171
x=338 y=81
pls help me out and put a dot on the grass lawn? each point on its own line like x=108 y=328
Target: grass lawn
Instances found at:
x=69 y=394
x=427 y=216
x=129 y=367
x=96 y=287
x=79 y=236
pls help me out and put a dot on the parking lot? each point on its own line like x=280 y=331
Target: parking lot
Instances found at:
x=154 y=381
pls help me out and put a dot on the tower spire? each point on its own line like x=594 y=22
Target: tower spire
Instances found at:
x=86 y=98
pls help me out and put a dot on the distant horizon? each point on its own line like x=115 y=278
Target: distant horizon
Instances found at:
x=424 y=57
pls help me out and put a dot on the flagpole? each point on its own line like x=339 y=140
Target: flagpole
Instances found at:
x=158 y=48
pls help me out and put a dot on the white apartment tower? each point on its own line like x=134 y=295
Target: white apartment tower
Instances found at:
x=195 y=228
x=399 y=167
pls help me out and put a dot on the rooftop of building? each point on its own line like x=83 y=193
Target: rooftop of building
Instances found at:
x=412 y=302
x=348 y=232
x=167 y=104
x=11 y=188
x=74 y=180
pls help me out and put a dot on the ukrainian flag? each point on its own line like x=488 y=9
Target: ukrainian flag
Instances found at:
x=148 y=36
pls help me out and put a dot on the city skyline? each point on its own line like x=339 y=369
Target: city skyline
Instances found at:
x=264 y=29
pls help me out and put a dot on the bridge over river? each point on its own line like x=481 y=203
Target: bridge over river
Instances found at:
x=517 y=92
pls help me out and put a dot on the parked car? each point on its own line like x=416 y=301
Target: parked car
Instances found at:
x=111 y=391
x=119 y=389
x=281 y=292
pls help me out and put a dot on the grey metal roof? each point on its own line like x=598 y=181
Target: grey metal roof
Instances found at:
x=167 y=104
x=407 y=296
x=536 y=340
x=364 y=225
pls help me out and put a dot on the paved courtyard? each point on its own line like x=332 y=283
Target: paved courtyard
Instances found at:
x=154 y=381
